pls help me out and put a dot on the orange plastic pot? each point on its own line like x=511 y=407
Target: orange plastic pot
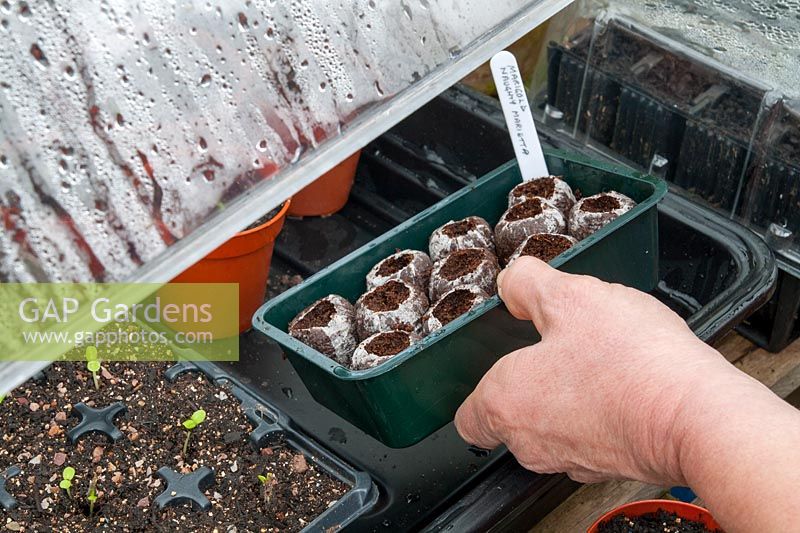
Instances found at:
x=328 y=193
x=245 y=260
x=684 y=510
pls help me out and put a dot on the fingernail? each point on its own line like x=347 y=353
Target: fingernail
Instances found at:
x=500 y=283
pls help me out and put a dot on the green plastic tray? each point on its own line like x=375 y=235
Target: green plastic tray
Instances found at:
x=417 y=392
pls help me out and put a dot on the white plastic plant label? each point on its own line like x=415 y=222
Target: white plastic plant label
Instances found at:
x=517 y=111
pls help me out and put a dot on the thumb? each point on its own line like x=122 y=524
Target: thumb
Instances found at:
x=533 y=290
x=486 y=415
x=474 y=424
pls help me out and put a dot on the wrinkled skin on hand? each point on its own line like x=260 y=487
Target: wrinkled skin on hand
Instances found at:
x=608 y=391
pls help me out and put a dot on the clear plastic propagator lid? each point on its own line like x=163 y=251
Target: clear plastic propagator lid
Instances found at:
x=757 y=38
x=136 y=136
x=704 y=92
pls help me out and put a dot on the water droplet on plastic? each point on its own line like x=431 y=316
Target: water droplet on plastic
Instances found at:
x=39 y=56
x=288 y=392
x=24 y=11
x=243 y=25
x=205 y=81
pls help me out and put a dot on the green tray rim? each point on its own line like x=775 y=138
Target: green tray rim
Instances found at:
x=340 y=372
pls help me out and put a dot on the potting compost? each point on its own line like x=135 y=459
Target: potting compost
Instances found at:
x=658 y=522
x=35 y=418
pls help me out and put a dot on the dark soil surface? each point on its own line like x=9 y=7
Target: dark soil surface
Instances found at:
x=670 y=78
x=454 y=305
x=546 y=247
x=542 y=187
x=459 y=228
x=279 y=283
x=318 y=317
x=601 y=204
x=735 y=113
x=389 y=343
x=527 y=209
x=659 y=522
x=35 y=417
x=264 y=219
x=387 y=297
x=461 y=262
x=390 y=265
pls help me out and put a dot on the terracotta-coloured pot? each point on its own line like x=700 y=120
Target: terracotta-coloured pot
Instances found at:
x=245 y=260
x=328 y=193
x=682 y=509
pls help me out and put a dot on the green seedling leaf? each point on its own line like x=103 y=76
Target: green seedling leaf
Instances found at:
x=91 y=353
x=198 y=417
x=2 y=398
x=68 y=473
x=66 y=483
x=93 y=366
x=92 y=497
x=195 y=420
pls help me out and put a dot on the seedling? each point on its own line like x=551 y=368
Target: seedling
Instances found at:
x=2 y=398
x=66 y=480
x=92 y=496
x=197 y=418
x=267 y=481
x=93 y=365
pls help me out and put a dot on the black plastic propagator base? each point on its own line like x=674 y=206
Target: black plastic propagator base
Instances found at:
x=777 y=324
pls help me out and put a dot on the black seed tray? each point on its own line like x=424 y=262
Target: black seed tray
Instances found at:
x=271 y=425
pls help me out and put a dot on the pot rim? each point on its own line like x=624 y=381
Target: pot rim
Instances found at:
x=269 y=222
x=675 y=506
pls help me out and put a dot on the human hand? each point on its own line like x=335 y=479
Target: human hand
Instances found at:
x=600 y=396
